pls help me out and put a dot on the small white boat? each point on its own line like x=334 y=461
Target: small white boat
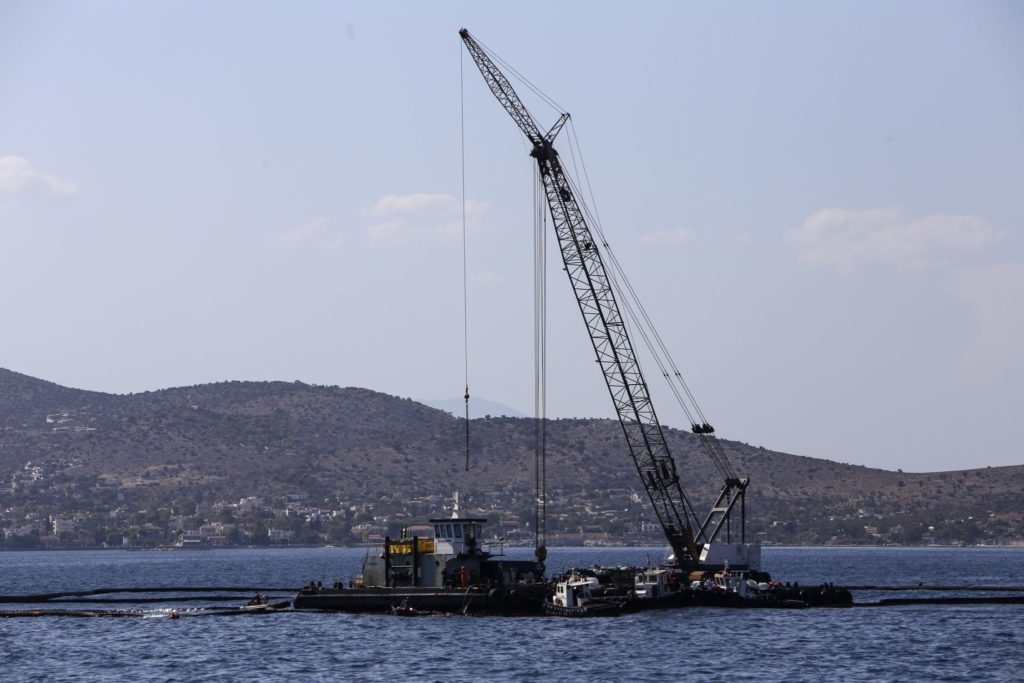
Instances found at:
x=261 y=603
x=574 y=597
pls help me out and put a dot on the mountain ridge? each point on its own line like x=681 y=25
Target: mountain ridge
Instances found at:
x=233 y=439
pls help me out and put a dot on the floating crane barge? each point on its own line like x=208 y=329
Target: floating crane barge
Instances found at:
x=450 y=573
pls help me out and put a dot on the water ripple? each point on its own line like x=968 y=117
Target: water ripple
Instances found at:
x=913 y=643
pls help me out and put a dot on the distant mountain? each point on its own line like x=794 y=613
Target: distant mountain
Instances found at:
x=478 y=407
x=232 y=439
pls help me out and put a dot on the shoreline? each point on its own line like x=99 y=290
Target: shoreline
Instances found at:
x=893 y=546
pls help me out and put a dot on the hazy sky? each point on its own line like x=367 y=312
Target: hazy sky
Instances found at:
x=820 y=204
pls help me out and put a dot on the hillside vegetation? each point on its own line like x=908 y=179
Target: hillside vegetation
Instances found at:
x=229 y=440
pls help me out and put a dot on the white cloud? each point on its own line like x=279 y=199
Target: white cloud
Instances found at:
x=304 y=233
x=848 y=240
x=314 y=232
x=419 y=202
x=996 y=293
x=419 y=216
x=17 y=175
x=384 y=232
x=336 y=242
x=667 y=237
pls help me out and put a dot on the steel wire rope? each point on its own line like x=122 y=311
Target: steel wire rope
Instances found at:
x=540 y=314
x=540 y=356
x=642 y=321
x=465 y=279
x=716 y=455
x=525 y=81
x=544 y=360
x=596 y=219
x=632 y=319
x=638 y=318
x=537 y=368
x=710 y=443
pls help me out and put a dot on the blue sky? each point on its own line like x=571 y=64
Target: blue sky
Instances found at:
x=820 y=204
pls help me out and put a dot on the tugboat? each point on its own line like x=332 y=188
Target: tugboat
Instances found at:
x=445 y=569
x=574 y=597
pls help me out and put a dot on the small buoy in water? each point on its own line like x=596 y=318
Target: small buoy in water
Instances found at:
x=174 y=615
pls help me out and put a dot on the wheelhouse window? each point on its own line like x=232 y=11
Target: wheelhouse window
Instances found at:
x=458 y=531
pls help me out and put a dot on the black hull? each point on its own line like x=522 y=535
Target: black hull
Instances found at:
x=593 y=609
x=714 y=598
x=531 y=600
x=527 y=600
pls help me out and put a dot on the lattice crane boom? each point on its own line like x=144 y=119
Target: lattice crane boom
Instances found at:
x=601 y=314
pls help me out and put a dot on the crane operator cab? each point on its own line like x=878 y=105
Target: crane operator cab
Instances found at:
x=742 y=556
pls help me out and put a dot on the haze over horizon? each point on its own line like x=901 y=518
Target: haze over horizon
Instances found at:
x=819 y=206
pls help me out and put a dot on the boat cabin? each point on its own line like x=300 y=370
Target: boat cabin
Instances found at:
x=574 y=591
x=733 y=582
x=457 y=535
x=653 y=583
x=446 y=552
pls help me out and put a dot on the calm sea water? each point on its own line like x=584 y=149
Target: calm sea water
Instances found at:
x=913 y=643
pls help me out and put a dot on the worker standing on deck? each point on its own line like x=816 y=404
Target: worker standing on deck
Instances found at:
x=463 y=576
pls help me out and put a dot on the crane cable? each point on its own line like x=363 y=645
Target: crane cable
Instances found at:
x=641 y=321
x=465 y=279
x=539 y=306
x=616 y=267
x=638 y=319
x=540 y=359
x=636 y=313
x=522 y=79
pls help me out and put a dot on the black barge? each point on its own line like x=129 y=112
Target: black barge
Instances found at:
x=439 y=568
